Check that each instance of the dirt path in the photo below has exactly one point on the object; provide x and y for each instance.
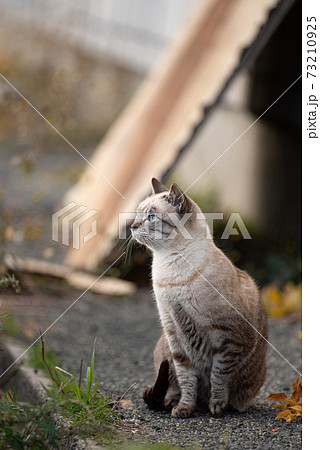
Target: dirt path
(126, 331)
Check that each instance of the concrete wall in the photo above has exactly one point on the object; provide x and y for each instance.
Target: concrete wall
(133, 32)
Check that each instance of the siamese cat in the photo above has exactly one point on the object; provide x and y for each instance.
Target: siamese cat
(213, 345)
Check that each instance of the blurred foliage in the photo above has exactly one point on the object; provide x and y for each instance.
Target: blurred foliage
(207, 200)
(269, 260)
(32, 229)
(11, 326)
(9, 280)
(279, 302)
(58, 81)
(71, 410)
(24, 426)
(35, 359)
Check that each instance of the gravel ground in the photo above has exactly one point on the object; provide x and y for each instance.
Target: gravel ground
(127, 330)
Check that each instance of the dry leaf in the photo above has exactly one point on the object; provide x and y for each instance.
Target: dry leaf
(297, 408)
(297, 390)
(125, 404)
(292, 405)
(277, 397)
(283, 414)
(299, 334)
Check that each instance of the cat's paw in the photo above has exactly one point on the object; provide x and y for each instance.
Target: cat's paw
(182, 411)
(217, 405)
(171, 401)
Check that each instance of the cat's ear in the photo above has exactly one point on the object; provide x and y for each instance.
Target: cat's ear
(158, 186)
(179, 199)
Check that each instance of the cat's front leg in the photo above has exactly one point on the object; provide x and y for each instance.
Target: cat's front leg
(186, 374)
(188, 383)
(223, 368)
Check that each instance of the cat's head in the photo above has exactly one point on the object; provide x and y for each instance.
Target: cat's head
(166, 218)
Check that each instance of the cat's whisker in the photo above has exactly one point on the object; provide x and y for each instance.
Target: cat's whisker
(126, 241)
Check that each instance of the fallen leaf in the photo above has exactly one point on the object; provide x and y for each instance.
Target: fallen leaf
(125, 404)
(297, 390)
(283, 414)
(277, 397)
(299, 334)
(292, 407)
(297, 408)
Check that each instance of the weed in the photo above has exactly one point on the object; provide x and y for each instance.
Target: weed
(24, 426)
(89, 411)
(72, 410)
(35, 359)
(9, 280)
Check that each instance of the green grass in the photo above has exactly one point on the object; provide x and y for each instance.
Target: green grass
(24, 426)
(81, 409)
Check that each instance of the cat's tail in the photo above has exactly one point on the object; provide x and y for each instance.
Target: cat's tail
(154, 396)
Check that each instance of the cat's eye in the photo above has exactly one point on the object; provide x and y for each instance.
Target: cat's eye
(152, 217)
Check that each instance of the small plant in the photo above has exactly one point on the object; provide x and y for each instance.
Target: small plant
(9, 280)
(24, 426)
(291, 407)
(71, 410)
(75, 387)
(88, 411)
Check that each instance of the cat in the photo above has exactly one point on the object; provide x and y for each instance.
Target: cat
(212, 349)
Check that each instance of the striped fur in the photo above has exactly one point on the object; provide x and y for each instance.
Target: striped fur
(212, 349)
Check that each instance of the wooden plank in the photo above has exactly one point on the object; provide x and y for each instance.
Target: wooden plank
(79, 280)
(148, 135)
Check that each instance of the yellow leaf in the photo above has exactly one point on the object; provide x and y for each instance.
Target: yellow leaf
(292, 407)
(289, 419)
(283, 414)
(290, 402)
(279, 405)
(277, 397)
(299, 334)
(297, 408)
(297, 390)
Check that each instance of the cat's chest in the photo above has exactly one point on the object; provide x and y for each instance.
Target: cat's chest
(172, 291)
(173, 280)
(175, 298)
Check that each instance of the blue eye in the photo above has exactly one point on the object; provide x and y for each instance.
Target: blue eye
(151, 217)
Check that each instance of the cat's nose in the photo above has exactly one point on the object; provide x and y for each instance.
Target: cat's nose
(135, 224)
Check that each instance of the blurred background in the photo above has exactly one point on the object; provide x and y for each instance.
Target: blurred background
(80, 63)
